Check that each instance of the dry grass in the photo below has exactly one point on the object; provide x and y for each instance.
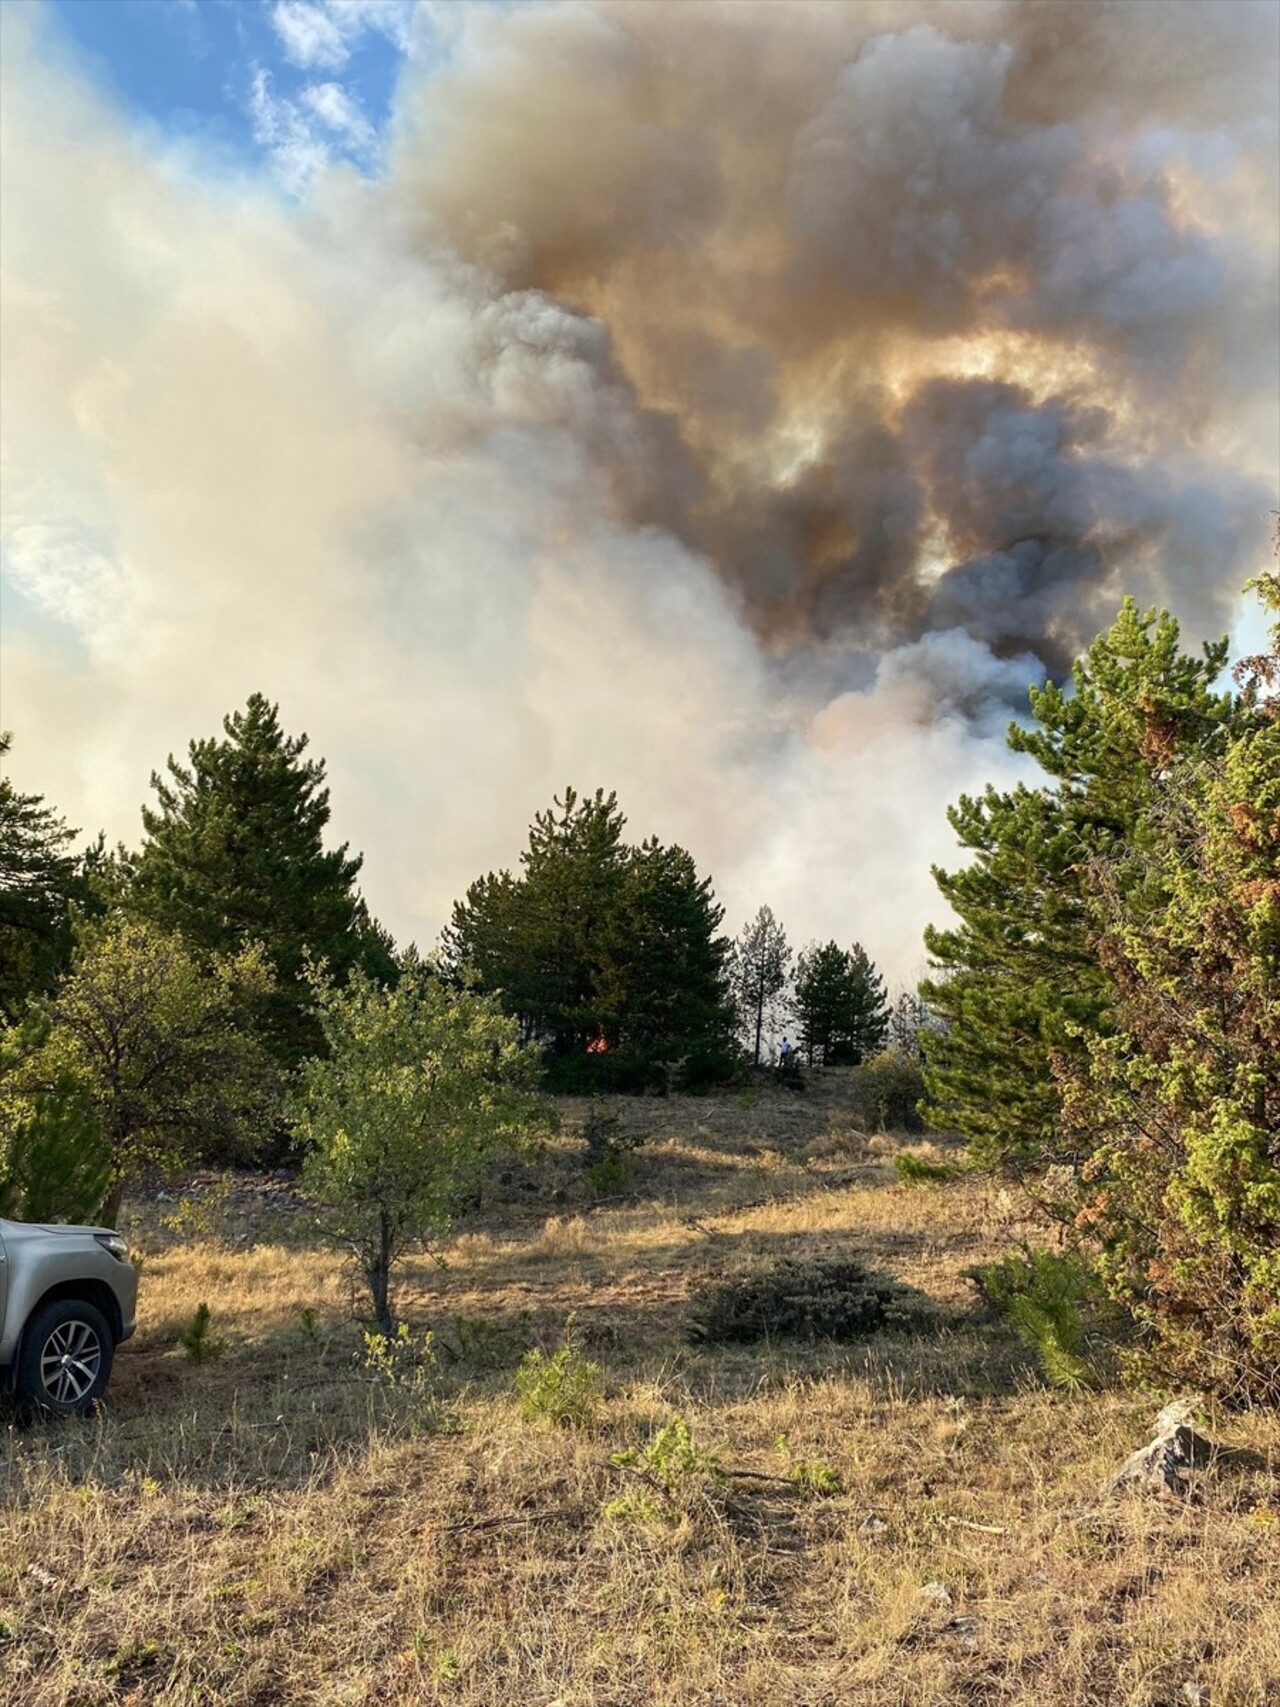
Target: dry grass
(278, 1527)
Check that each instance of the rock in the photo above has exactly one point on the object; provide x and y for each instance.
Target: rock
(939, 1593)
(1178, 1413)
(1159, 1467)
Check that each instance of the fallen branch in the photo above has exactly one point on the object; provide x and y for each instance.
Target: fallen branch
(506, 1518)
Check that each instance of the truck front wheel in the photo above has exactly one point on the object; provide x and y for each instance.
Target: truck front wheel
(65, 1360)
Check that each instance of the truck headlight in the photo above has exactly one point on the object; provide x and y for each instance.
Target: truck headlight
(115, 1244)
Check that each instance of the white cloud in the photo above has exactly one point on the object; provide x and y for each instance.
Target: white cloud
(340, 112)
(310, 35)
(323, 34)
(295, 149)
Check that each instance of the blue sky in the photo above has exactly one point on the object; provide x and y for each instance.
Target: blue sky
(281, 86)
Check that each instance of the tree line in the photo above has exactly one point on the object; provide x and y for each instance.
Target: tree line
(166, 1003)
(1101, 1023)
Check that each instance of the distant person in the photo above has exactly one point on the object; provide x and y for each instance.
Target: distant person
(784, 1052)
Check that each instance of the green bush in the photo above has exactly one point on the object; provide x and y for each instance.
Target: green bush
(608, 1144)
(919, 1170)
(1058, 1306)
(401, 1360)
(54, 1165)
(608, 1177)
(839, 1300)
(888, 1089)
(684, 1475)
(563, 1388)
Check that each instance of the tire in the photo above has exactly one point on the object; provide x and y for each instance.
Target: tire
(66, 1356)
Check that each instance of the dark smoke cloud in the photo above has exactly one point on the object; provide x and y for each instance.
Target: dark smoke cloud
(918, 305)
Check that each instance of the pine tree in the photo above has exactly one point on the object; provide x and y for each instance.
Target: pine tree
(605, 954)
(759, 974)
(39, 883)
(541, 939)
(865, 1023)
(839, 1005)
(909, 1023)
(1178, 1108)
(822, 976)
(234, 854)
(665, 977)
(1021, 983)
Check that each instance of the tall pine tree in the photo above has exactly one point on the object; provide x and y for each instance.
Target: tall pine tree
(759, 973)
(839, 1005)
(606, 954)
(666, 980)
(1022, 982)
(234, 854)
(39, 883)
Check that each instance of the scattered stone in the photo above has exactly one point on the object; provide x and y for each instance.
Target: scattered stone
(1159, 1467)
(965, 1629)
(872, 1525)
(1195, 1695)
(939, 1593)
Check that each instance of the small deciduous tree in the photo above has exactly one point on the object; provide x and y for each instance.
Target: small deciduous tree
(155, 1048)
(759, 973)
(54, 1165)
(1177, 1107)
(421, 1083)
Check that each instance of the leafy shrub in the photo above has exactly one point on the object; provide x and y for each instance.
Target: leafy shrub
(198, 1217)
(839, 1300)
(674, 1467)
(54, 1165)
(1056, 1303)
(812, 1475)
(608, 1177)
(400, 1359)
(888, 1089)
(563, 1388)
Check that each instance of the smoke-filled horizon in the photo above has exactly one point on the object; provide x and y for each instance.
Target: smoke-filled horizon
(733, 405)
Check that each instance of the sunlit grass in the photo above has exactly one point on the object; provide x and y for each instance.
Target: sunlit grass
(279, 1525)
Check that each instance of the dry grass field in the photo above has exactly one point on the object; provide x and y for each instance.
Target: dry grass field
(281, 1524)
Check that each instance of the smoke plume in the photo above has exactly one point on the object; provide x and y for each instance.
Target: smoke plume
(737, 405)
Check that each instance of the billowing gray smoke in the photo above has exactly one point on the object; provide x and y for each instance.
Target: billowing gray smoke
(933, 312)
(734, 405)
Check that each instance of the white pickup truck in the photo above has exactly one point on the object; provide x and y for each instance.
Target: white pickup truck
(67, 1299)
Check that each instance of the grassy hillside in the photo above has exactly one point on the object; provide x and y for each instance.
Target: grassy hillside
(910, 1520)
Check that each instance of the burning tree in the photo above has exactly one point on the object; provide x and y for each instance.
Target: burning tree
(607, 955)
